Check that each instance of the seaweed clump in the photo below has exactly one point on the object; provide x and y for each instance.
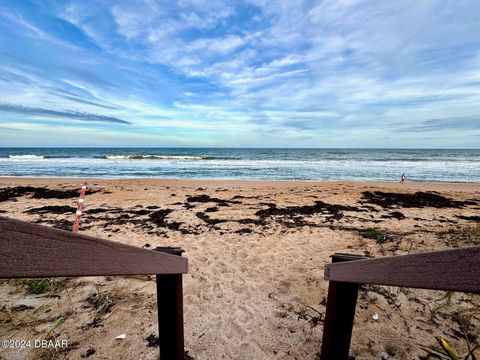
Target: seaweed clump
(11, 193)
(334, 210)
(158, 218)
(419, 199)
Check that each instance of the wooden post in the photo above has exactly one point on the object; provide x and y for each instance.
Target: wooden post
(340, 312)
(170, 312)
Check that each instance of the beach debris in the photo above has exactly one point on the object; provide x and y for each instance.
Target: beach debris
(158, 218)
(121, 216)
(419, 199)
(314, 319)
(152, 207)
(102, 304)
(469, 218)
(394, 215)
(11, 193)
(294, 212)
(121, 337)
(375, 316)
(208, 219)
(14, 192)
(152, 340)
(89, 352)
(51, 209)
(62, 224)
(243, 231)
(21, 307)
(206, 199)
(188, 356)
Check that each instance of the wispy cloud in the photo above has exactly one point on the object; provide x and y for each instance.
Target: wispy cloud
(455, 123)
(66, 114)
(248, 73)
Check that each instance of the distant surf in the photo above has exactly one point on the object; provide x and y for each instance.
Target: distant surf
(31, 156)
(268, 164)
(159, 157)
(27, 156)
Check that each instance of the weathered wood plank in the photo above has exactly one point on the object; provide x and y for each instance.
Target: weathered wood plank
(451, 270)
(31, 250)
(170, 312)
(170, 317)
(339, 315)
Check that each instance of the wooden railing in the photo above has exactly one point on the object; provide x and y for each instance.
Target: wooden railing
(31, 250)
(449, 270)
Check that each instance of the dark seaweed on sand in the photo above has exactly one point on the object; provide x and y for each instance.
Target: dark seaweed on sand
(153, 341)
(208, 219)
(318, 208)
(62, 224)
(394, 215)
(158, 218)
(205, 199)
(417, 200)
(469, 218)
(11, 193)
(52, 209)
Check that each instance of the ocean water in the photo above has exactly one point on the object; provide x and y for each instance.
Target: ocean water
(267, 164)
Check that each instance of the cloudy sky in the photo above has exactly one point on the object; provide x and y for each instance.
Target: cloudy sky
(256, 73)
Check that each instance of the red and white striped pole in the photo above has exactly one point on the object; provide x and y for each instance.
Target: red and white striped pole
(80, 205)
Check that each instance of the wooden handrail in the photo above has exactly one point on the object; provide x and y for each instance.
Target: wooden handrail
(32, 250)
(450, 270)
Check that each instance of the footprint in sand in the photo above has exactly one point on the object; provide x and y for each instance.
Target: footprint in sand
(221, 267)
(284, 287)
(240, 287)
(218, 291)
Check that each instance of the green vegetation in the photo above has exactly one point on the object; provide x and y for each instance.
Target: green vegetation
(376, 234)
(58, 322)
(36, 286)
(42, 285)
(463, 235)
(452, 354)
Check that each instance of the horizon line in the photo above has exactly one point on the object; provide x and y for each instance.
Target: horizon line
(228, 147)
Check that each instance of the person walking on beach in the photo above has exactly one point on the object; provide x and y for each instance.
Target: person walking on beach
(403, 178)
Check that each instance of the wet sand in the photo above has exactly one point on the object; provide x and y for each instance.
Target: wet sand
(256, 249)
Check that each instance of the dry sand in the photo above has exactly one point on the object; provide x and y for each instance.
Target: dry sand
(255, 287)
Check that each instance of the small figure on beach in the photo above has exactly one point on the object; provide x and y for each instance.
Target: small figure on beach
(403, 178)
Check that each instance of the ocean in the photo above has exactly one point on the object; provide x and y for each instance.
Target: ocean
(232, 163)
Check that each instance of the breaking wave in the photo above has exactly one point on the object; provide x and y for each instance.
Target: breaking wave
(29, 156)
(32, 156)
(159, 157)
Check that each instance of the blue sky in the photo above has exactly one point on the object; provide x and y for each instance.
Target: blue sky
(343, 73)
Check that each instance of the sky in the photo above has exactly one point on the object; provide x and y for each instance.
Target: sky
(256, 73)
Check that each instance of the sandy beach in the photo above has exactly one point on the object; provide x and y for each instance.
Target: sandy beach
(256, 251)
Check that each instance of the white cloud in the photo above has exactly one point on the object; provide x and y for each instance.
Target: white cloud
(297, 66)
